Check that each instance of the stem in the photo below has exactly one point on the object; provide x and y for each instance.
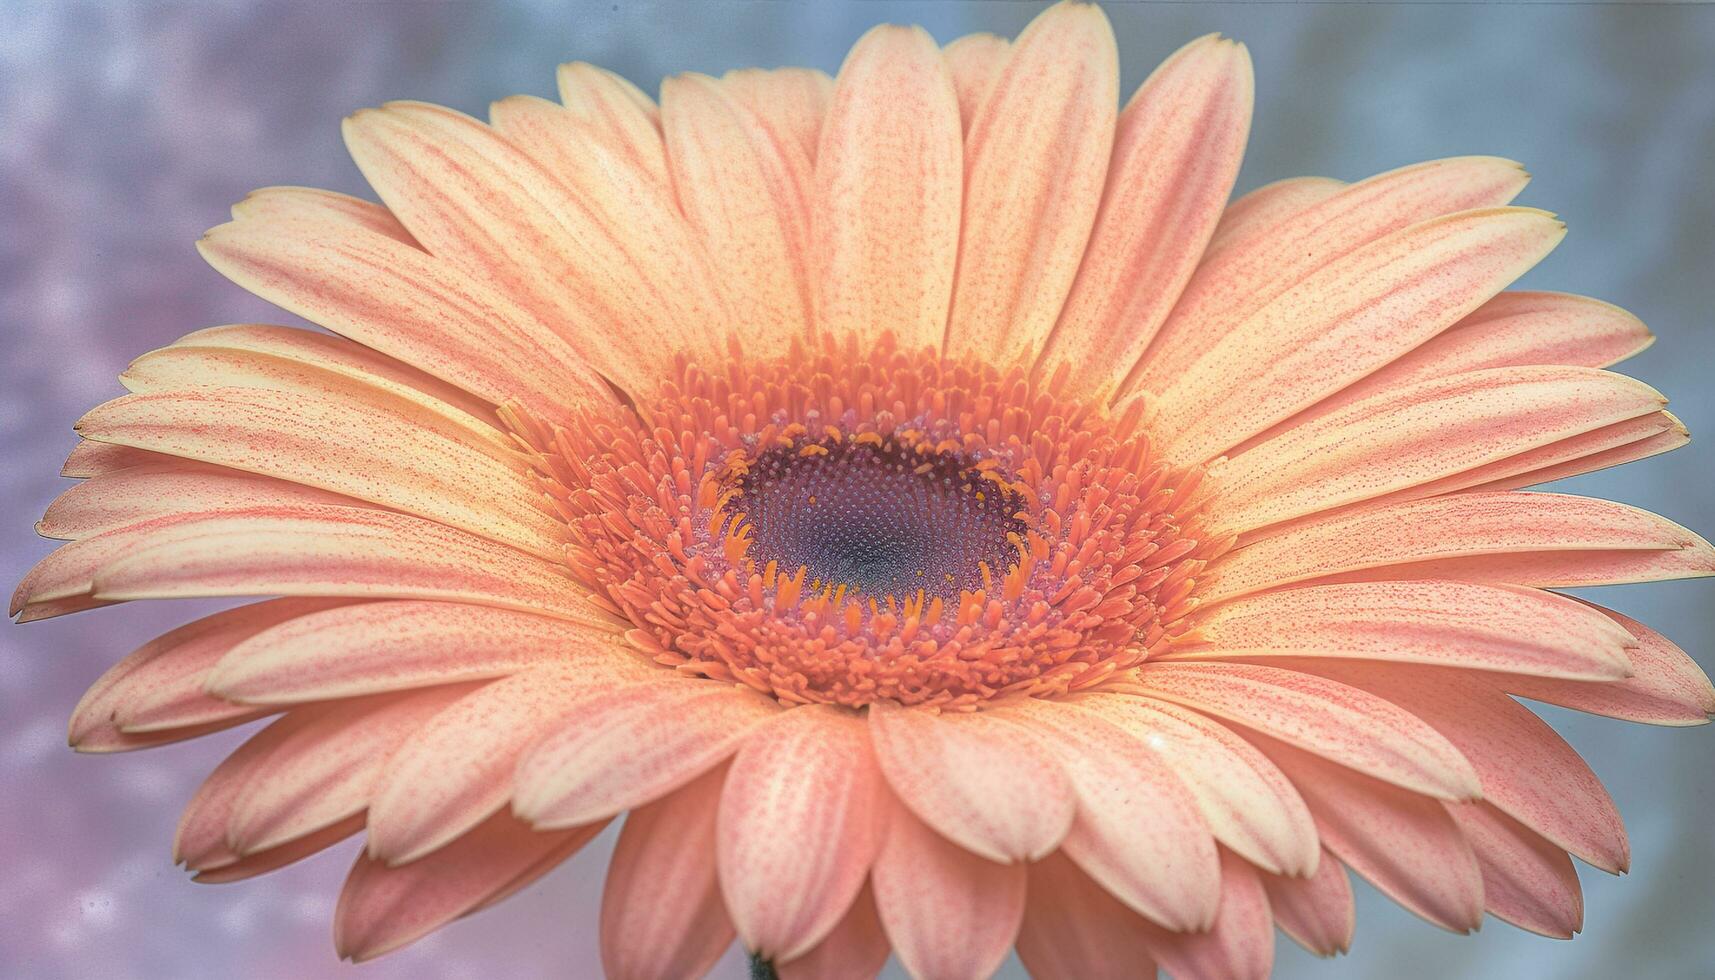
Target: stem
(761, 969)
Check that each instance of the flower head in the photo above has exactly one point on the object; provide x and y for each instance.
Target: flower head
(918, 501)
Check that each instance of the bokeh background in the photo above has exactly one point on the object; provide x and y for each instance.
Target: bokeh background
(127, 128)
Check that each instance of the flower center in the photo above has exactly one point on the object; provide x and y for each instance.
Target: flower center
(847, 526)
(880, 516)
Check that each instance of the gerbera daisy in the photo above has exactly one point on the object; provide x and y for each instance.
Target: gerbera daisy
(918, 501)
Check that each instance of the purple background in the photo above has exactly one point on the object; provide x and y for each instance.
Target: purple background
(126, 129)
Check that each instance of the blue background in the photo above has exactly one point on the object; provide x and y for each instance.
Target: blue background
(126, 129)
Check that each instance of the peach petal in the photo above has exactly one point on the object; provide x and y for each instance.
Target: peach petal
(1667, 687)
(1239, 946)
(1176, 153)
(620, 111)
(324, 770)
(1404, 843)
(373, 647)
(1420, 434)
(948, 913)
(661, 911)
(1073, 930)
(885, 210)
(159, 685)
(982, 785)
(1513, 329)
(456, 771)
(329, 551)
(856, 949)
(1622, 442)
(801, 820)
(275, 858)
(975, 61)
(382, 908)
(88, 459)
(1243, 277)
(620, 748)
(1527, 770)
(1250, 806)
(1172, 873)
(343, 442)
(744, 190)
(247, 355)
(1265, 209)
(136, 494)
(1481, 529)
(312, 205)
(583, 244)
(1447, 624)
(404, 303)
(1315, 912)
(790, 101)
(1344, 321)
(1527, 881)
(1339, 722)
(1036, 157)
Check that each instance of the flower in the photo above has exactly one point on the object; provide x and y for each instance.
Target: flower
(918, 501)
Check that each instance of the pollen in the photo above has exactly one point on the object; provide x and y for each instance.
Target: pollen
(845, 525)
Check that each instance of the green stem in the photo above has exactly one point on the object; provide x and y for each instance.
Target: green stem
(761, 969)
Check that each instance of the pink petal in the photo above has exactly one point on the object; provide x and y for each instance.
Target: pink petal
(1481, 530)
(1246, 275)
(975, 62)
(1171, 874)
(885, 212)
(1176, 153)
(1527, 770)
(457, 769)
(800, 824)
(371, 647)
(1339, 722)
(615, 749)
(1666, 687)
(661, 911)
(856, 949)
(985, 786)
(1249, 804)
(289, 204)
(1447, 624)
(1073, 930)
(1315, 912)
(1238, 946)
(1402, 842)
(1526, 880)
(1420, 434)
(1036, 157)
(382, 908)
(948, 913)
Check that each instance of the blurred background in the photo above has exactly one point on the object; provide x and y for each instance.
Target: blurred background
(127, 128)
